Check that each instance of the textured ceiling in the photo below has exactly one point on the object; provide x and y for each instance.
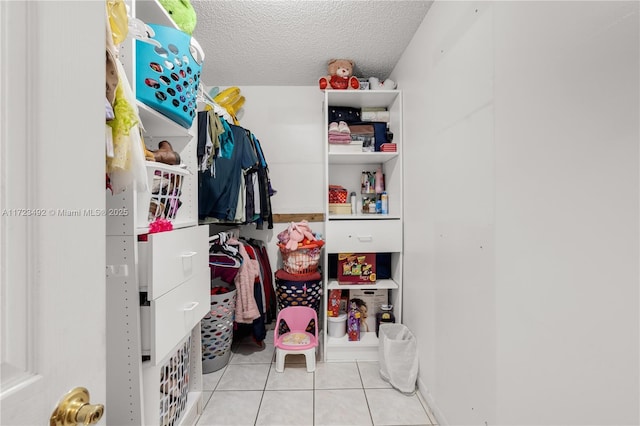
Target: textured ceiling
(288, 43)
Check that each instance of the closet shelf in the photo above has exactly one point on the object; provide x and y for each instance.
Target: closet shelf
(379, 285)
(364, 98)
(158, 125)
(152, 12)
(360, 157)
(365, 349)
(362, 216)
(368, 338)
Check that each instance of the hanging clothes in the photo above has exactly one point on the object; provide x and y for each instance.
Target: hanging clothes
(266, 277)
(218, 195)
(246, 306)
(224, 258)
(233, 179)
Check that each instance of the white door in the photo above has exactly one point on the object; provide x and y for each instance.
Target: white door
(51, 175)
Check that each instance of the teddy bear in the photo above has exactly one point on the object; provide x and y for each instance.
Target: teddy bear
(182, 13)
(340, 76)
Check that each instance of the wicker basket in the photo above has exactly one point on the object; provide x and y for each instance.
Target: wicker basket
(303, 260)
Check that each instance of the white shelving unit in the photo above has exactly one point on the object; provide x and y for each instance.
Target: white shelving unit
(364, 233)
(157, 287)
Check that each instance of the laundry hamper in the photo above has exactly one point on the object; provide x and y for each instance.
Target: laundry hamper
(217, 330)
(168, 73)
(162, 201)
(174, 385)
(299, 290)
(302, 260)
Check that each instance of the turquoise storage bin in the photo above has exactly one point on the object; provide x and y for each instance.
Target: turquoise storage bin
(168, 73)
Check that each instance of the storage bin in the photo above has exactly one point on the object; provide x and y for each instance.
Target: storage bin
(337, 326)
(165, 188)
(168, 73)
(337, 194)
(398, 357)
(174, 385)
(299, 290)
(293, 290)
(217, 331)
(340, 208)
(303, 260)
(374, 299)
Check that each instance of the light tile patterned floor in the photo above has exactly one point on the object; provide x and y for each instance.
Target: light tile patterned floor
(248, 391)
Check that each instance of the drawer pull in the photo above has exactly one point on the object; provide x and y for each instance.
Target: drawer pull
(187, 261)
(191, 306)
(365, 238)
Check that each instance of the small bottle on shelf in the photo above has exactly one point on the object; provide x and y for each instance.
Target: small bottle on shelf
(384, 201)
(384, 316)
(379, 185)
(353, 202)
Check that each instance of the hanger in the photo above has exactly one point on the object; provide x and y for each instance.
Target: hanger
(219, 243)
(204, 98)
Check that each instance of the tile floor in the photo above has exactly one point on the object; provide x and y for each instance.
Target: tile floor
(248, 391)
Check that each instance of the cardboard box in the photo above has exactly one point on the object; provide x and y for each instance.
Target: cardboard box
(373, 299)
(356, 268)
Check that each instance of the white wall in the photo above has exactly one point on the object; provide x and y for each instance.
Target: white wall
(288, 121)
(521, 267)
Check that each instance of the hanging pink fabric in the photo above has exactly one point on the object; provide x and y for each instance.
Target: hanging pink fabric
(246, 306)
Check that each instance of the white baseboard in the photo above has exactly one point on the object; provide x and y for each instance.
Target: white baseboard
(434, 413)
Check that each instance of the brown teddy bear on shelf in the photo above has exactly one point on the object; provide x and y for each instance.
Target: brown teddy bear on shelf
(340, 76)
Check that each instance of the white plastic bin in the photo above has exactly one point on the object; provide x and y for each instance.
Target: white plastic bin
(398, 357)
(337, 326)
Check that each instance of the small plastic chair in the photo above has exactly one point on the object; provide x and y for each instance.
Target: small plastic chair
(297, 340)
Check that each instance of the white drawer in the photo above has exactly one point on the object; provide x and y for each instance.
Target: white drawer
(168, 259)
(364, 236)
(168, 319)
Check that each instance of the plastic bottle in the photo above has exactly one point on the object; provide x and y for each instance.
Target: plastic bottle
(379, 186)
(384, 316)
(384, 208)
(353, 202)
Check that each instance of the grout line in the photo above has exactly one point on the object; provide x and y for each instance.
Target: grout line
(365, 393)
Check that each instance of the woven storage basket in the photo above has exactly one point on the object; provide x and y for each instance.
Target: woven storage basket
(303, 260)
(168, 73)
(337, 194)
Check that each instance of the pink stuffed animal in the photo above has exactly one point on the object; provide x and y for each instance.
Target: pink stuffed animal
(295, 233)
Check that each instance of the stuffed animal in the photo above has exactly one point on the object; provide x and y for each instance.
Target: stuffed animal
(182, 13)
(340, 76)
(296, 234)
(376, 84)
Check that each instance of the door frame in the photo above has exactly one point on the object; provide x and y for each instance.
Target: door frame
(52, 146)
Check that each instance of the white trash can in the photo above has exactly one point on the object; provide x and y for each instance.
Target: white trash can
(398, 357)
(337, 326)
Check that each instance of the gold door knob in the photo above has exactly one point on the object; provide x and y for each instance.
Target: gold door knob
(74, 409)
